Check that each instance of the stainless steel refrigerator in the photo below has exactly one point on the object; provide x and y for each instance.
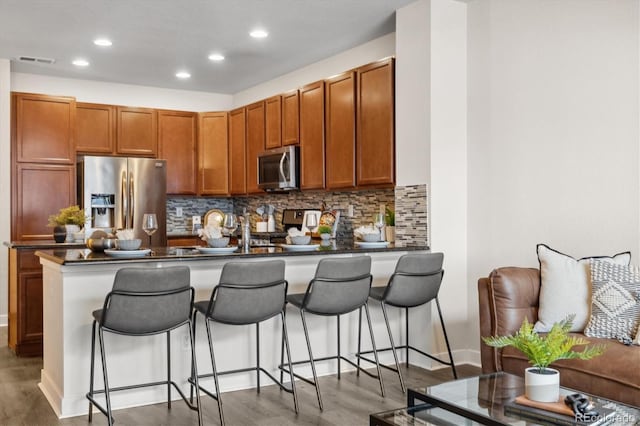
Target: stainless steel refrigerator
(116, 192)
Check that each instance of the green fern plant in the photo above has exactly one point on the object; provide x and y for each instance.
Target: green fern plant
(542, 350)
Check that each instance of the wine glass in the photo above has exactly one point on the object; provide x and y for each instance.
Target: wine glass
(230, 223)
(149, 225)
(378, 222)
(311, 222)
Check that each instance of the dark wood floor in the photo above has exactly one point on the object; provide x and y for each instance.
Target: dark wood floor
(348, 401)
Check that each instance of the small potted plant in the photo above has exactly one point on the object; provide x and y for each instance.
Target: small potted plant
(325, 232)
(390, 222)
(541, 382)
(71, 218)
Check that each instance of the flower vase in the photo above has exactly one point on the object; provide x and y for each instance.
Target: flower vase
(71, 229)
(59, 234)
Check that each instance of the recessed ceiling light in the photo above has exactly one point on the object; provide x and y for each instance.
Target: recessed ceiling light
(183, 74)
(104, 42)
(80, 62)
(258, 34)
(216, 57)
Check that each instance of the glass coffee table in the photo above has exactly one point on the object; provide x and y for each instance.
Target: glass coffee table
(479, 400)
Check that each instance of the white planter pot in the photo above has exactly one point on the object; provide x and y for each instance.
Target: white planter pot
(71, 229)
(542, 387)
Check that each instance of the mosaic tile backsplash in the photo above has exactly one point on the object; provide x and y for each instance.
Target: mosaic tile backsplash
(409, 203)
(411, 215)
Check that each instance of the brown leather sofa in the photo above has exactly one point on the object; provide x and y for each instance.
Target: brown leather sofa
(507, 296)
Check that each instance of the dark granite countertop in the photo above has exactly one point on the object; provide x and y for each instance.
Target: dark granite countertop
(83, 256)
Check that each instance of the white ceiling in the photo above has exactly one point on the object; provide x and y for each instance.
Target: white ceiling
(154, 39)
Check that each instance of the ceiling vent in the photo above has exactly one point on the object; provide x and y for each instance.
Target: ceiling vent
(36, 60)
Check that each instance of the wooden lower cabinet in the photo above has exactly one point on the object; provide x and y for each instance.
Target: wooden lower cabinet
(25, 302)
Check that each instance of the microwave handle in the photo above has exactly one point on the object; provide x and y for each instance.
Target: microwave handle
(284, 157)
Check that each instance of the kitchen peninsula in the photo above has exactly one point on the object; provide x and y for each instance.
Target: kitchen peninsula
(76, 281)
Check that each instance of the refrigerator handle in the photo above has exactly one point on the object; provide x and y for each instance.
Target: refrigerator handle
(131, 204)
(124, 206)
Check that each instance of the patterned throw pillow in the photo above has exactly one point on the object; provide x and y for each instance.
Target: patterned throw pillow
(615, 301)
(566, 287)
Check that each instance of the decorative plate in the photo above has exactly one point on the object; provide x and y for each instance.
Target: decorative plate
(372, 244)
(300, 247)
(127, 253)
(213, 215)
(217, 250)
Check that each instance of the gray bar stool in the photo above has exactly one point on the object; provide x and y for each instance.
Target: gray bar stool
(143, 302)
(415, 282)
(340, 286)
(248, 293)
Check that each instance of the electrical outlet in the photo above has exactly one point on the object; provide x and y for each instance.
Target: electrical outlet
(186, 342)
(196, 220)
(178, 211)
(350, 210)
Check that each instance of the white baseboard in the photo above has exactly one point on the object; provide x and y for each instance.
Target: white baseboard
(4, 320)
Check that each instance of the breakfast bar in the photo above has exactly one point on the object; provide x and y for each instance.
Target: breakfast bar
(76, 281)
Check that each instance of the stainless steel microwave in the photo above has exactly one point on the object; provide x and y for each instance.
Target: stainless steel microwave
(279, 169)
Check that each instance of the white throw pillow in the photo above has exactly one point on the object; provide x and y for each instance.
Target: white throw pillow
(565, 287)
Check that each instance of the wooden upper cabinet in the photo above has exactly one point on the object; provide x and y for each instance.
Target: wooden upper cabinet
(291, 118)
(39, 191)
(237, 152)
(137, 131)
(255, 144)
(340, 139)
(95, 128)
(273, 122)
(43, 128)
(312, 136)
(376, 131)
(213, 169)
(177, 139)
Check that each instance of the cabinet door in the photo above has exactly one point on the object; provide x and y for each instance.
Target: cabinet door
(255, 144)
(273, 122)
(95, 128)
(177, 140)
(376, 132)
(33, 201)
(137, 131)
(340, 139)
(43, 129)
(213, 154)
(312, 136)
(25, 303)
(237, 152)
(290, 118)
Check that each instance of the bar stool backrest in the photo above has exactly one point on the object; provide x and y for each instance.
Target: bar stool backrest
(340, 285)
(416, 280)
(148, 300)
(249, 292)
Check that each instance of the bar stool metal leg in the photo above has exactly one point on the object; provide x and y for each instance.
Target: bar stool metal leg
(104, 375)
(406, 327)
(169, 370)
(359, 340)
(446, 339)
(285, 340)
(313, 365)
(393, 347)
(215, 373)
(258, 355)
(194, 370)
(373, 345)
(93, 356)
(338, 334)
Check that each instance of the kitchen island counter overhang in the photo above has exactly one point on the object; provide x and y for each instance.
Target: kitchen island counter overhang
(75, 283)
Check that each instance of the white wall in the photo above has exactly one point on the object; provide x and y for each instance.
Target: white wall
(121, 94)
(5, 183)
(448, 168)
(553, 131)
(374, 50)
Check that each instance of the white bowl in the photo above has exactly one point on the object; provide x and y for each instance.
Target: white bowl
(218, 242)
(301, 239)
(369, 237)
(129, 244)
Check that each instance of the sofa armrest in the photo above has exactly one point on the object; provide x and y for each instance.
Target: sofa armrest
(505, 298)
